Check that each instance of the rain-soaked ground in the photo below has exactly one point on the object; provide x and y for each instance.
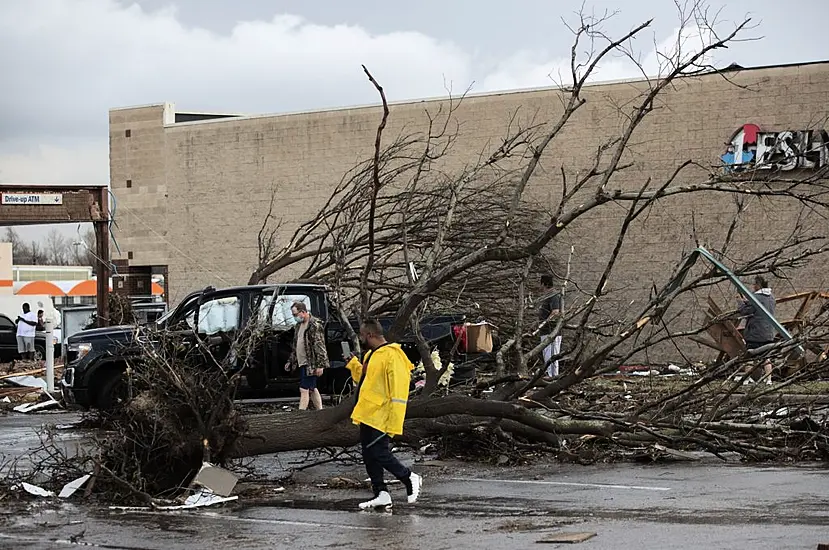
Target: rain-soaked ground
(696, 505)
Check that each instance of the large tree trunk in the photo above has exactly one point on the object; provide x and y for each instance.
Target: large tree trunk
(332, 428)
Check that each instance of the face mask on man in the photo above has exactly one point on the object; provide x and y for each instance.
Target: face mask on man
(298, 318)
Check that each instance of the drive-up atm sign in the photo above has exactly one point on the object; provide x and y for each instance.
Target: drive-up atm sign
(42, 199)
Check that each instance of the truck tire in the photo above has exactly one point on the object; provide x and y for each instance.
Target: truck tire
(112, 390)
(40, 353)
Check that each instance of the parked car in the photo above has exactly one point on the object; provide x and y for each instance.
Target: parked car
(96, 359)
(8, 341)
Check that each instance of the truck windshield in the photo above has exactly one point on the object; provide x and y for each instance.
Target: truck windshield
(282, 318)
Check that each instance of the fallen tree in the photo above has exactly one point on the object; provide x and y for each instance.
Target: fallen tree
(394, 238)
(401, 235)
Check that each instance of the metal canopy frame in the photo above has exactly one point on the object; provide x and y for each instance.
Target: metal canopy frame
(98, 216)
(701, 252)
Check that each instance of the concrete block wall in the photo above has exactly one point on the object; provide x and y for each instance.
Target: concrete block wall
(200, 190)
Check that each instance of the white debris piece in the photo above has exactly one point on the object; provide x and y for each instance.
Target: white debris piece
(36, 491)
(70, 488)
(217, 480)
(32, 407)
(27, 381)
(199, 499)
(204, 497)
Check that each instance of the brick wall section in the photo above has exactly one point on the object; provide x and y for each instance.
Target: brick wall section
(200, 190)
(140, 210)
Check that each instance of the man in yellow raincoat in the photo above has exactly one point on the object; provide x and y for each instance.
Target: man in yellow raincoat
(383, 380)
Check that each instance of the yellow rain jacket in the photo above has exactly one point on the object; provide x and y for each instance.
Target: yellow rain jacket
(384, 391)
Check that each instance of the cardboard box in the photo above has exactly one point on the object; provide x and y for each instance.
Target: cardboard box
(479, 338)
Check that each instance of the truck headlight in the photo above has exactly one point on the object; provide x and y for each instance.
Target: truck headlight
(83, 348)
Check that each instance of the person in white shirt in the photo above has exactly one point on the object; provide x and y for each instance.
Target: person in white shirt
(26, 325)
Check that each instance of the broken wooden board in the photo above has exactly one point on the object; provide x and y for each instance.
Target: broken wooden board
(566, 537)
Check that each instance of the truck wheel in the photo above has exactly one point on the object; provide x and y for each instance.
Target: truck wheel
(112, 392)
(40, 353)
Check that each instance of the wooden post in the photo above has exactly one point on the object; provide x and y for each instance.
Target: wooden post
(103, 264)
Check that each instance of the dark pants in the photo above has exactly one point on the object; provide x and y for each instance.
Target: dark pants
(378, 457)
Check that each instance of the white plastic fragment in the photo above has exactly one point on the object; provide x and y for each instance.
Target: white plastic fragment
(32, 407)
(36, 491)
(27, 381)
(205, 498)
(70, 488)
(200, 499)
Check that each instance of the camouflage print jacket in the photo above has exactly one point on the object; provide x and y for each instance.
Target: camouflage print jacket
(314, 347)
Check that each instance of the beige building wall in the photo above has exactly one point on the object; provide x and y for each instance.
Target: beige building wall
(192, 195)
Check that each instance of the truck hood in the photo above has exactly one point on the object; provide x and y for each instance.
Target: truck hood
(120, 333)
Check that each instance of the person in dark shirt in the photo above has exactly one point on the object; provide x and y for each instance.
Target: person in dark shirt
(759, 330)
(549, 308)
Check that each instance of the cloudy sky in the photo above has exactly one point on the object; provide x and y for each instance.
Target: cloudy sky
(66, 62)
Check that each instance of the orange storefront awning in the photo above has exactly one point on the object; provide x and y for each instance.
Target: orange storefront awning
(40, 288)
(85, 288)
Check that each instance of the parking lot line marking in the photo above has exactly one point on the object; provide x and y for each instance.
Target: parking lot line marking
(562, 483)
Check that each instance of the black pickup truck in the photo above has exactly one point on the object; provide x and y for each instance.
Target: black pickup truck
(96, 359)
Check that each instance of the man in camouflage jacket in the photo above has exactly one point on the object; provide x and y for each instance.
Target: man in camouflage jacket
(309, 355)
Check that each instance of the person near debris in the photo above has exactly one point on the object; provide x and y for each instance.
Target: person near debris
(309, 355)
(759, 330)
(383, 379)
(550, 308)
(26, 325)
(41, 326)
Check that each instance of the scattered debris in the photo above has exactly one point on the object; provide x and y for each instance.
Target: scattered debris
(657, 452)
(388, 482)
(199, 499)
(27, 381)
(205, 497)
(342, 483)
(36, 491)
(518, 525)
(215, 479)
(39, 406)
(566, 537)
(68, 426)
(70, 488)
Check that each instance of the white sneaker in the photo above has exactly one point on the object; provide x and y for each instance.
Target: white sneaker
(417, 483)
(381, 500)
(748, 381)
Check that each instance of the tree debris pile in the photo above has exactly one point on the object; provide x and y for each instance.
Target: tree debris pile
(177, 413)
(120, 312)
(786, 421)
